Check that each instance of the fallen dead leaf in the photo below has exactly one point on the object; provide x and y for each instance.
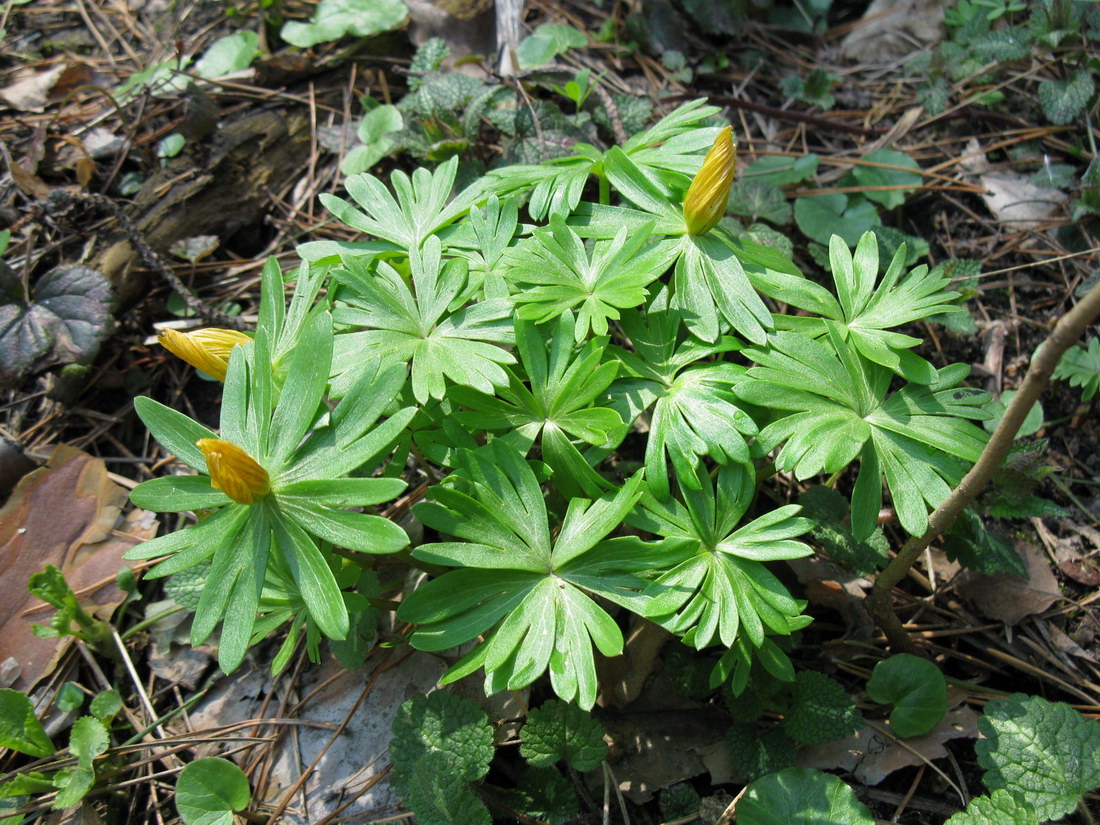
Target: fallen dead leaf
(63, 514)
(1007, 598)
(31, 90)
(873, 756)
(892, 29)
(1014, 200)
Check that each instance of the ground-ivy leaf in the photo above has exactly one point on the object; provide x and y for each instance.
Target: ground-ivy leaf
(1046, 752)
(1063, 101)
(755, 754)
(561, 731)
(822, 711)
(443, 723)
(66, 318)
(999, 808)
(333, 19)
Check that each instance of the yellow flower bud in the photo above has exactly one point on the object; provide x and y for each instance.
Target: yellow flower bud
(204, 349)
(706, 198)
(233, 471)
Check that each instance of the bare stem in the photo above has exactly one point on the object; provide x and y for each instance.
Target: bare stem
(1069, 328)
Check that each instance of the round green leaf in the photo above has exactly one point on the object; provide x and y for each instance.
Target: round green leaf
(916, 689)
(801, 796)
(20, 729)
(210, 790)
(877, 176)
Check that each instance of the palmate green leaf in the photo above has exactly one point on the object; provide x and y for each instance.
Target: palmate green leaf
(419, 209)
(721, 589)
(839, 410)
(675, 144)
(1046, 753)
(868, 312)
(694, 413)
(552, 273)
(308, 496)
(398, 324)
(559, 405)
(532, 599)
(714, 293)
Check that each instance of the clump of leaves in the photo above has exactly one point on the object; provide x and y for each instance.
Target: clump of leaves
(1039, 758)
(441, 744)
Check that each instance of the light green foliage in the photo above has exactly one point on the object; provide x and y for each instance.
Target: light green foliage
(70, 619)
(558, 731)
(554, 273)
(69, 698)
(800, 796)
(399, 324)
(333, 19)
(441, 743)
(20, 729)
(547, 42)
(87, 740)
(528, 593)
(720, 590)
(999, 808)
(521, 347)
(559, 405)
(694, 411)
(756, 753)
(106, 705)
(1046, 753)
(916, 689)
(375, 141)
(232, 53)
(208, 792)
(278, 533)
(828, 510)
(821, 710)
(1033, 422)
(1081, 368)
(185, 587)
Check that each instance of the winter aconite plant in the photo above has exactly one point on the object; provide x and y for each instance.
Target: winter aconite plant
(594, 398)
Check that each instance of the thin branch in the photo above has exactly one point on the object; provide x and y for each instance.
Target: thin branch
(1069, 328)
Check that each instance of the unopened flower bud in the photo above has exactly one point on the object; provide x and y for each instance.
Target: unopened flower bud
(706, 198)
(233, 471)
(204, 349)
